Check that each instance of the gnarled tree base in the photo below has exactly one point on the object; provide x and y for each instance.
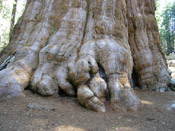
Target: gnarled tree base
(87, 49)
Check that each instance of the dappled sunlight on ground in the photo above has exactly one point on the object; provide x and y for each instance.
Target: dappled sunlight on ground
(126, 129)
(146, 102)
(68, 128)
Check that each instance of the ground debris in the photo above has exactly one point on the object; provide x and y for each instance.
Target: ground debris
(171, 107)
(37, 106)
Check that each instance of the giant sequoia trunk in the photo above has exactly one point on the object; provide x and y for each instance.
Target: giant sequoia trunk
(96, 50)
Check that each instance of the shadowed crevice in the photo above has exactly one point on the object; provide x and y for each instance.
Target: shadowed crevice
(134, 79)
(103, 76)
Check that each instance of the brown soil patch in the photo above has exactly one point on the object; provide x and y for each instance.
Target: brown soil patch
(68, 115)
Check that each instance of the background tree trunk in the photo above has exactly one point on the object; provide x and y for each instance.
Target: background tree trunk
(13, 17)
(1, 3)
(86, 48)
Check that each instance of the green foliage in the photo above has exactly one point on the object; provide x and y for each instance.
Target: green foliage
(165, 15)
(6, 7)
(0, 5)
(4, 24)
(167, 31)
(158, 12)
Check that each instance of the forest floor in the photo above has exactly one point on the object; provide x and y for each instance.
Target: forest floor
(37, 113)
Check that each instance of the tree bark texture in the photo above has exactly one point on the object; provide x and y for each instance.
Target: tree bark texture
(93, 49)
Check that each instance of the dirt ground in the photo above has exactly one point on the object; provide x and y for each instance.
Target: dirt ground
(65, 114)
